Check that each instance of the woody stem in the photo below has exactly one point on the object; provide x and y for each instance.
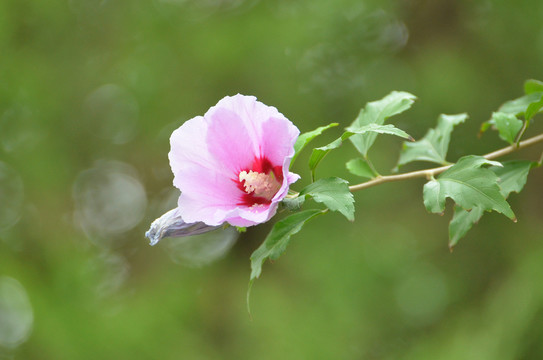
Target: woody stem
(429, 173)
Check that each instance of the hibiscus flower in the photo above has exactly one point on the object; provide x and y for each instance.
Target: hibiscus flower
(232, 164)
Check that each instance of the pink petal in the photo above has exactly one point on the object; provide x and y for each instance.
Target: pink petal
(208, 153)
(229, 140)
(279, 139)
(196, 172)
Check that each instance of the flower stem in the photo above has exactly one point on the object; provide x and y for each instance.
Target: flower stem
(372, 168)
(428, 173)
(521, 132)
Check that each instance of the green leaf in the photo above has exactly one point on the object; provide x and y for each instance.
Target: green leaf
(319, 153)
(461, 222)
(334, 193)
(512, 175)
(469, 185)
(533, 109)
(511, 178)
(377, 112)
(508, 126)
(434, 145)
(305, 138)
(360, 167)
(380, 129)
(526, 106)
(519, 106)
(532, 85)
(431, 193)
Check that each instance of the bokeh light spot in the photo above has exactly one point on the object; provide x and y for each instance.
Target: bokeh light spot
(111, 113)
(200, 250)
(109, 200)
(16, 314)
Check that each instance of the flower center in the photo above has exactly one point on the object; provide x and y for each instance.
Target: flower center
(259, 184)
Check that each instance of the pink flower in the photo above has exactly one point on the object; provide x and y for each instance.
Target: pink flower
(231, 165)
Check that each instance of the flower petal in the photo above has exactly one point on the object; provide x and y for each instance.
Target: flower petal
(278, 146)
(203, 182)
(208, 153)
(229, 140)
(249, 216)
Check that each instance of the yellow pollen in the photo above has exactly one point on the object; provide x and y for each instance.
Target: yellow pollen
(261, 185)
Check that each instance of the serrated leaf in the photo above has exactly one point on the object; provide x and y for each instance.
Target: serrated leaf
(526, 106)
(508, 126)
(519, 106)
(360, 167)
(277, 240)
(512, 178)
(512, 175)
(377, 112)
(434, 145)
(380, 129)
(469, 185)
(533, 109)
(433, 200)
(305, 138)
(319, 153)
(532, 85)
(461, 222)
(334, 193)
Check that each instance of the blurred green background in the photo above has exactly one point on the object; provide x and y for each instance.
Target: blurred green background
(90, 91)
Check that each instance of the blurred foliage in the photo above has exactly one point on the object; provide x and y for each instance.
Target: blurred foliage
(89, 94)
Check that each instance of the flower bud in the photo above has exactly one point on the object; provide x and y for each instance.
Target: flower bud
(172, 225)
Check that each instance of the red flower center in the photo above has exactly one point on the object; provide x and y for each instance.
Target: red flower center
(260, 182)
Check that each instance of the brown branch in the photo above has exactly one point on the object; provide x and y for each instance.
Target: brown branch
(429, 173)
